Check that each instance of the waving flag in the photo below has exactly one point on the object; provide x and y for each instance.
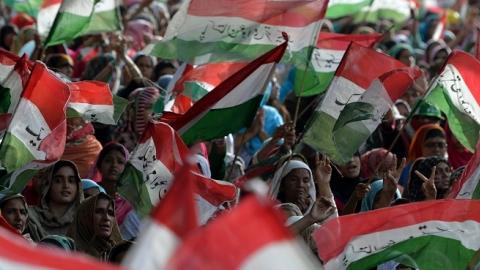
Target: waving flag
(353, 77)
(169, 223)
(19, 254)
(456, 94)
(205, 31)
(149, 172)
(46, 16)
(81, 17)
(14, 74)
(37, 130)
(428, 235)
(94, 102)
(250, 236)
(468, 185)
(325, 60)
(233, 104)
(341, 8)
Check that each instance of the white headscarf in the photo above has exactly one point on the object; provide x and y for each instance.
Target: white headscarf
(285, 169)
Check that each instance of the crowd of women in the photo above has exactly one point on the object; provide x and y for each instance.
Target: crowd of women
(74, 204)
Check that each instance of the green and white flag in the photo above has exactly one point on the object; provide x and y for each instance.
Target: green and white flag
(456, 93)
(325, 60)
(29, 7)
(354, 76)
(82, 17)
(397, 11)
(341, 8)
(431, 235)
(204, 31)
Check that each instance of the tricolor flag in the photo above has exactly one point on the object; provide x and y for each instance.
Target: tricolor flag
(325, 59)
(169, 223)
(354, 76)
(233, 104)
(250, 236)
(456, 93)
(205, 31)
(14, 74)
(94, 102)
(195, 82)
(149, 172)
(467, 186)
(82, 17)
(37, 130)
(429, 235)
(341, 8)
(46, 16)
(20, 254)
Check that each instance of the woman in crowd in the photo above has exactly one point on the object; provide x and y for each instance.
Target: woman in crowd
(94, 228)
(110, 165)
(61, 193)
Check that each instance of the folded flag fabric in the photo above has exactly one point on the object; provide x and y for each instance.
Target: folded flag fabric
(159, 153)
(456, 93)
(442, 234)
(205, 31)
(20, 254)
(93, 101)
(46, 16)
(359, 119)
(250, 236)
(325, 59)
(82, 17)
(467, 186)
(232, 105)
(354, 77)
(14, 74)
(169, 223)
(37, 130)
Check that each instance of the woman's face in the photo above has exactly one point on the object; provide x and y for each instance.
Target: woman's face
(435, 146)
(442, 176)
(103, 218)
(112, 165)
(145, 65)
(351, 169)
(295, 187)
(64, 187)
(15, 213)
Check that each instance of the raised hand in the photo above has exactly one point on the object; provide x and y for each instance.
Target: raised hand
(321, 210)
(323, 170)
(428, 186)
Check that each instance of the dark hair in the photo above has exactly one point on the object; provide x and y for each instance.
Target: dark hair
(109, 148)
(134, 84)
(433, 133)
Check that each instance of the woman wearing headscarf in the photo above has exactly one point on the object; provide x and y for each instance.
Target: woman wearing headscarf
(376, 160)
(94, 228)
(416, 190)
(82, 147)
(61, 193)
(91, 188)
(373, 198)
(348, 187)
(110, 165)
(429, 140)
(7, 36)
(138, 115)
(14, 209)
(404, 53)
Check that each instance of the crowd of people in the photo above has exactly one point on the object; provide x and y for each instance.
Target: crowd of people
(74, 204)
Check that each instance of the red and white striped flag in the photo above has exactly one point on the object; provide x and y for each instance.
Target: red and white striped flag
(250, 236)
